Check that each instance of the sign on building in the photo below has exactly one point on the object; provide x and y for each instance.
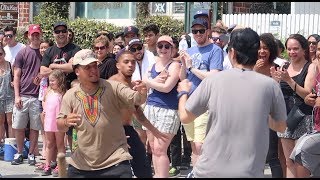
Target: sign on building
(159, 7)
(8, 14)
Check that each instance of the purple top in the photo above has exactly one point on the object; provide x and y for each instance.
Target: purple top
(29, 61)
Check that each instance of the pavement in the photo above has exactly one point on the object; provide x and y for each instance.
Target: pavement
(26, 171)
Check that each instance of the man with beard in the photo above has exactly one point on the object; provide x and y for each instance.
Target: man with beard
(199, 62)
(94, 109)
(126, 64)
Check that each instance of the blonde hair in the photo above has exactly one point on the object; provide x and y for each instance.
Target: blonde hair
(61, 78)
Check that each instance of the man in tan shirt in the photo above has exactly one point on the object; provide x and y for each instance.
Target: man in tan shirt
(93, 108)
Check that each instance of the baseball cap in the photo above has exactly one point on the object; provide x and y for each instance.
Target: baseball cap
(84, 57)
(130, 29)
(165, 38)
(34, 28)
(134, 41)
(201, 13)
(201, 22)
(60, 23)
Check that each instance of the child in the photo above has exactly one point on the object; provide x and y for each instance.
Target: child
(51, 108)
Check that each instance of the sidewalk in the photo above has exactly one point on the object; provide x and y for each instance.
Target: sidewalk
(26, 171)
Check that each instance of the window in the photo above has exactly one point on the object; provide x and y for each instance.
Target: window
(105, 10)
(178, 7)
(36, 8)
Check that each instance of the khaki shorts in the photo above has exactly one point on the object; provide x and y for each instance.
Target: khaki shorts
(30, 111)
(196, 130)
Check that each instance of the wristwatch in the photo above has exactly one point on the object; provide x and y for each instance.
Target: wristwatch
(182, 93)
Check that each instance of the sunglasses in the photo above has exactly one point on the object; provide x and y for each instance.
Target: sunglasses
(100, 48)
(135, 49)
(215, 39)
(195, 31)
(8, 35)
(59, 31)
(312, 42)
(160, 46)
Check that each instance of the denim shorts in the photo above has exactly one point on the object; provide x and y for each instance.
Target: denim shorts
(6, 106)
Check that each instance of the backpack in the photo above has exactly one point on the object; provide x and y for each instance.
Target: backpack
(188, 39)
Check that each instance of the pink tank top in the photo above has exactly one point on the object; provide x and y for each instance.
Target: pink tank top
(316, 120)
(52, 108)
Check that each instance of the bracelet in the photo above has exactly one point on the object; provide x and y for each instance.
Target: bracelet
(182, 93)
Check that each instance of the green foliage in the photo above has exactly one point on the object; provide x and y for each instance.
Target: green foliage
(85, 30)
(167, 25)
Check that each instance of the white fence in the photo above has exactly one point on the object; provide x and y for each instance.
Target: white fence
(281, 25)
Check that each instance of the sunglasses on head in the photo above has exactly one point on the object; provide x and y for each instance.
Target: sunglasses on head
(132, 49)
(60, 31)
(312, 42)
(195, 31)
(99, 48)
(160, 46)
(8, 35)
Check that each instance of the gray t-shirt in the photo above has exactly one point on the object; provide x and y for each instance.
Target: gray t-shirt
(237, 138)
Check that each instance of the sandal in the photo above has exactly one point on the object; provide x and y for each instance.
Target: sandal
(40, 166)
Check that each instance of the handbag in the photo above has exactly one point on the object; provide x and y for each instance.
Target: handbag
(295, 116)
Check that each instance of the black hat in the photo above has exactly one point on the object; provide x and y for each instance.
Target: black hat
(60, 23)
(135, 41)
(130, 29)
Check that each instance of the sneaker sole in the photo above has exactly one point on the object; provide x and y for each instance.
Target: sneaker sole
(173, 176)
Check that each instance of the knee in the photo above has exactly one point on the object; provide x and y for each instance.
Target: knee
(159, 151)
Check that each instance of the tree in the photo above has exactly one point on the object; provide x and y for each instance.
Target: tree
(143, 12)
(50, 13)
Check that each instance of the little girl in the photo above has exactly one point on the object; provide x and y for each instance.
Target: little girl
(51, 108)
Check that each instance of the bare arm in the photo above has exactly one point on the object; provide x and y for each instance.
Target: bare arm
(185, 116)
(45, 71)
(16, 86)
(203, 74)
(67, 68)
(171, 81)
(278, 126)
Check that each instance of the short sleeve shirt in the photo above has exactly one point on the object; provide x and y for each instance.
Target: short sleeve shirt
(101, 139)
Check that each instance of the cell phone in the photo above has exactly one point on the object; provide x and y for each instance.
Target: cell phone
(285, 65)
(314, 91)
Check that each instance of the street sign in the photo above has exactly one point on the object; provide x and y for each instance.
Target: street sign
(275, 28)
(159, 7)
(8, 14)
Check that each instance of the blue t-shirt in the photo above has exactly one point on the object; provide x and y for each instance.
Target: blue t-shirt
(204, 58)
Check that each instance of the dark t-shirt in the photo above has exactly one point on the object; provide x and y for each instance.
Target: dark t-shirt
(108, 67)
(61, 56)
(29, 61)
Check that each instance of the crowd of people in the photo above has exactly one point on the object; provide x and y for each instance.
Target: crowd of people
(149, 105)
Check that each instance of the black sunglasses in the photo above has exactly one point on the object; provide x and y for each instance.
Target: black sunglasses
(312, 42)
(132, 49)
(8, 35)
(195, 31)
(59, 31)
(216, 39)
(160, 46)
(99, 48)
